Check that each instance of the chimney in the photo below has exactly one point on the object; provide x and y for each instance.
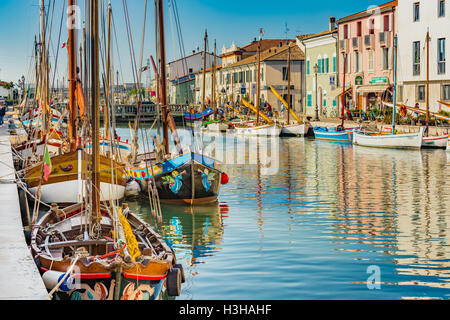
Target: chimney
(332, 22)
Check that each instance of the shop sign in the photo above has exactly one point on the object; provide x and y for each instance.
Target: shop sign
(380, 80)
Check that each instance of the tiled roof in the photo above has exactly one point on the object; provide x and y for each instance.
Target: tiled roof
(273, 54)
(314, 35)
(386, 5)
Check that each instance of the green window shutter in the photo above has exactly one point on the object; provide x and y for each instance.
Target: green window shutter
(307, 67)
(334, 64)
(309, 100)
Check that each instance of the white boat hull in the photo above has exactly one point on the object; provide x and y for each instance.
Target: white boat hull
(435, 142)
(397, 141)
(271, 130)
(216, 127)
(73, 192)
(295, 130)
(39, 151)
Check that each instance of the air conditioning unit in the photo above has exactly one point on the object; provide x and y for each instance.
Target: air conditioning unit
(343, 45)
(369, 41)
(384, 39)
(356, 43)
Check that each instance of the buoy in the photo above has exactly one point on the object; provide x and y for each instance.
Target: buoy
(224, 179)
(132, 188)
(52, 278)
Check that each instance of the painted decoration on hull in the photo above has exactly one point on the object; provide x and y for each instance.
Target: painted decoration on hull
(207, 178)
(175, 180)
(95, 290)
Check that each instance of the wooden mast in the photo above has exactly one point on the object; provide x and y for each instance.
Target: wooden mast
(162, 84)
(44, 71)
(289, 83)
(72, 79)
(258, 89)
(108, 76)
(204, 72)
(343, 91)
(428, 83)
(95, 114)
(213, 89)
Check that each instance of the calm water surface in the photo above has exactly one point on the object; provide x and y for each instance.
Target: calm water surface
(330, 217)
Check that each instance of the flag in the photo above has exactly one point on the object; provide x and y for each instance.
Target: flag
(65, 44)
(47, 164)
(144, 68)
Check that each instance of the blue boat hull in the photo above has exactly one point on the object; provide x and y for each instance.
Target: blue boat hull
(331, 134)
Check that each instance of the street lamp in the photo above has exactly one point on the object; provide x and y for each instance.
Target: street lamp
(316, 69)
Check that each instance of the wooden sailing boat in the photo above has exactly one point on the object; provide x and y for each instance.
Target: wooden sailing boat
(187, 176)
(38, 121)
(338, 133)
(258, 129)
(434, 142)
(94, 252)
(290, 129)
(64, 185)
(393, 140)
(214, 125)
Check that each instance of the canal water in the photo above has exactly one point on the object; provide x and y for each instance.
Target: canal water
(327, 221)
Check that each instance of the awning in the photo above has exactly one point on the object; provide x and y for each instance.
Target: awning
(338, 92)
(372, 88)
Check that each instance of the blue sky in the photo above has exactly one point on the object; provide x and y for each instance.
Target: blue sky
(226, 21)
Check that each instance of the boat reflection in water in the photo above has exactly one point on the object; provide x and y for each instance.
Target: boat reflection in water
(194, 233)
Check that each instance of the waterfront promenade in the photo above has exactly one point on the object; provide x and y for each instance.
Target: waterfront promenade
(19, 277)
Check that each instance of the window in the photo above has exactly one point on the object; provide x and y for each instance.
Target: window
(416, 11)
(359, 29)
(357, 66)
(400, 94)
(420, 93)
(309, 100)
(307, 66)
(334, 102)
(441, 8)
(285, 74)
(327, 65)
(386, 23)
(324, 98)
(334, 63)
(346, 36)
(385, 58)
(441, 56)
(446, 92)
(371, 61)
(319, 63)
(190, 70)
(416, 58)
(372, 26)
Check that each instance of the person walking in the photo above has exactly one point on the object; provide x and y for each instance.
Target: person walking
(2, 114)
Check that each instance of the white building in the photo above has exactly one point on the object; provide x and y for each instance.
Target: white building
(415, 18)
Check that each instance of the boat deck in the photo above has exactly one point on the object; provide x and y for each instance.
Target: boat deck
(19, 277)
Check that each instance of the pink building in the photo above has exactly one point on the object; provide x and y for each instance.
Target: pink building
(366, 39)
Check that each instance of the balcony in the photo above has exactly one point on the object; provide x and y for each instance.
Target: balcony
(343, 45)
(356, 43)
(385, 39)
(369, 41)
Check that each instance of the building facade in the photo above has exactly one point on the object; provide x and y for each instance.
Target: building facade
(239, 80)
(320, 54)
(365, 55)
(415, 19)
(181, 76)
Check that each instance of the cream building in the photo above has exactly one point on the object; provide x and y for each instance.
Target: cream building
(415, 18)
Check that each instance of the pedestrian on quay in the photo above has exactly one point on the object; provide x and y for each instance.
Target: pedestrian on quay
(2, 114)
